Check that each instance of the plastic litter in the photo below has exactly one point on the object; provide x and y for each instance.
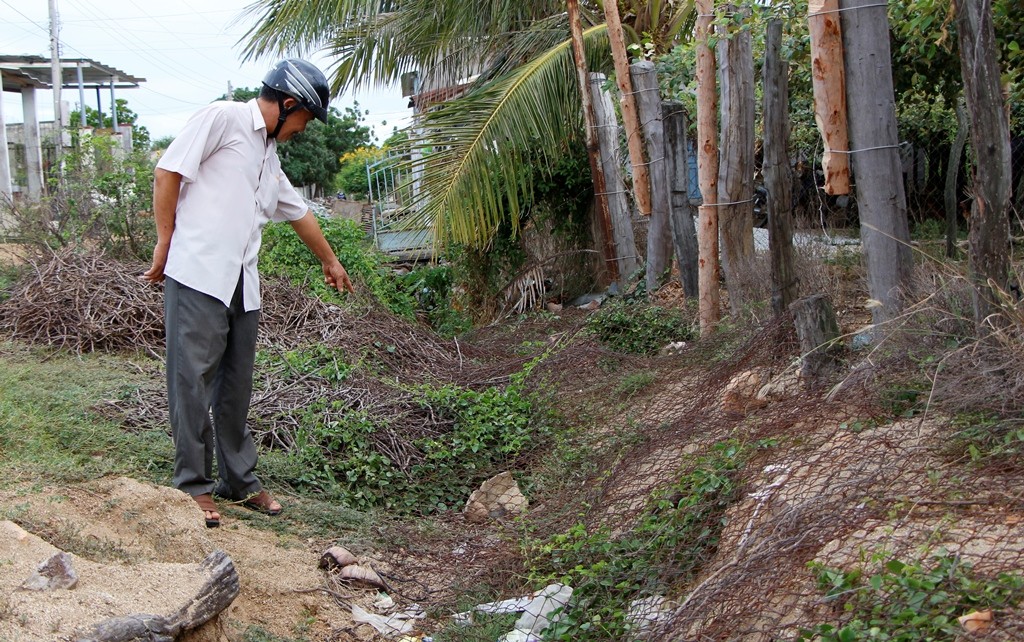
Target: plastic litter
(538, 612)
(391, 625)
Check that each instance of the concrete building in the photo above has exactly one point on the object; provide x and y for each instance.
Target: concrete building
(24, 167)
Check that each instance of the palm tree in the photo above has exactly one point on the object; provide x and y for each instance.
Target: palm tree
(523, 101)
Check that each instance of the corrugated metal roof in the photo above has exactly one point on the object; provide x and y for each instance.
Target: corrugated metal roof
(36, 71)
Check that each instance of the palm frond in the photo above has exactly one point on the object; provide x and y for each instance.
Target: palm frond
(300, 26)
(474, 149)
(374, 43)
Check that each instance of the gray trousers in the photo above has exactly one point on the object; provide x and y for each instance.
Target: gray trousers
(210, 353)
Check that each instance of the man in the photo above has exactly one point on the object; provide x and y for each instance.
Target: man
(216, 186)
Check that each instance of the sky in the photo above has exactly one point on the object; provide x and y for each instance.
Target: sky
(185, 49)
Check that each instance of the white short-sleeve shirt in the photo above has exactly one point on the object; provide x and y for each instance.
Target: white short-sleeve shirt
(232, 185)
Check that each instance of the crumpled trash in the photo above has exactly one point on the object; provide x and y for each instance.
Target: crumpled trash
(390, 625)
(646, 614)
(537, 612)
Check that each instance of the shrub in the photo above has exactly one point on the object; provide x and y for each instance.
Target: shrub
(907, 602)
(342, 457)
(678, 531)
(431, 287)
(102, 203)
(284, 254)
(639, 327)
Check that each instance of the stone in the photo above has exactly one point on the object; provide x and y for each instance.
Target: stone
(55, 573)
(740, 394)
(497, 497)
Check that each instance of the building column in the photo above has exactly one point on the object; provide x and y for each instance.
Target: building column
(6, 193)
(113, 105)
(33, 144)
(81, 97)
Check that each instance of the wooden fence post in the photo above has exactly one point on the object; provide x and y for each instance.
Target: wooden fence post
(710, 301)
(659, 238)
(607, 127)
(778, 177)
(677, 168)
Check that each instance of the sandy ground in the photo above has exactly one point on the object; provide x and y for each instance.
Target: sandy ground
(136, 549)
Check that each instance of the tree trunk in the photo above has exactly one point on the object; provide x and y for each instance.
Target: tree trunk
(956, 153)
(618, 205)
(707, 171)
(659, 237)
(828, 81)
(634, 137)
(593, 153)
(778, 177)
(882, 203)
(736, 164)
(990, 139)
(216, 594)
(677, 167)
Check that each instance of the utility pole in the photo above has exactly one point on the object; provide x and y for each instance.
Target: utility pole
(57, 80)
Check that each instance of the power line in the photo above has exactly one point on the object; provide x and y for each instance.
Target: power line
(137, 47)
(45, 30)
(168, 31)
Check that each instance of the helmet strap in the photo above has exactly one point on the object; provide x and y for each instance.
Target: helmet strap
(283, 114)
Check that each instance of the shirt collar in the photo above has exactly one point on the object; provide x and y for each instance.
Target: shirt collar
(257, 117)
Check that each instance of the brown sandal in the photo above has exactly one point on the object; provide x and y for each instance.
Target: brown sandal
(262, 502)
(209, 508)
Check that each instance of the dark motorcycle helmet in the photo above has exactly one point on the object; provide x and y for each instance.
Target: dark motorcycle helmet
(302, 81)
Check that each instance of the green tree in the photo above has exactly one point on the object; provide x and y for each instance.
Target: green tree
(125, 116)
(523, 105)
(313, 157)
(162, 143)
(351, 177)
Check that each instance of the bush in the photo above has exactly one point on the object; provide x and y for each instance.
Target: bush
(284, 254)
(102, 203)
(431, 287)
(678, 531)
(907, 602)
(638, 327)
(341, 457)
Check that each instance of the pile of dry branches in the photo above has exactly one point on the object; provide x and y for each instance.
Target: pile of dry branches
(85, 303)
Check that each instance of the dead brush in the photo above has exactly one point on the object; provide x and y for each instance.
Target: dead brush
(935, 345)
(820, 268)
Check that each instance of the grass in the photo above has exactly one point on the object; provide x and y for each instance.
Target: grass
(48, 429)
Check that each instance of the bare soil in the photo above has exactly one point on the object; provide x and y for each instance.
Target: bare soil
(136, 547)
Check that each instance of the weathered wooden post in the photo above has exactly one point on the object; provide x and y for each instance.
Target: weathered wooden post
(956, 152)
(881, 200)
(677, 168)
(593, 153)
(818, 331)
(989, 257)
(778, 177)
(736, 163)
(634, 137)
(607, 127)
(659, 237)
(828, 82)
